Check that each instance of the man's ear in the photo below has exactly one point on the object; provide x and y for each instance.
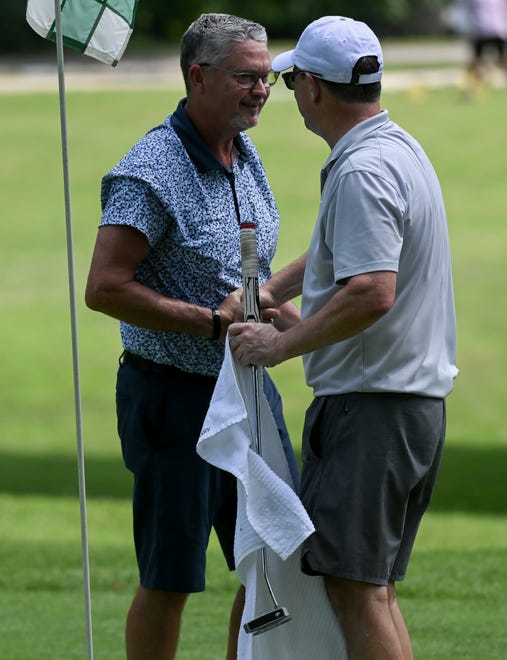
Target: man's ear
(314, 87)
(196, 78)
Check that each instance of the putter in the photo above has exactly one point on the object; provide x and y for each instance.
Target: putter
(251, 307)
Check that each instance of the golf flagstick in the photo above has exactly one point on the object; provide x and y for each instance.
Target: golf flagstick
(73, 321)
(251, 308)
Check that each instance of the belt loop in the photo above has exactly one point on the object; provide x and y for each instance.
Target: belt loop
(121, 359)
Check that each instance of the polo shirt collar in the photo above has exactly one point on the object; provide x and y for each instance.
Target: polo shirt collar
(204, 159)
(355, 134)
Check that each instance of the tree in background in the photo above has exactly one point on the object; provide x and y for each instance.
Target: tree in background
(161, 23)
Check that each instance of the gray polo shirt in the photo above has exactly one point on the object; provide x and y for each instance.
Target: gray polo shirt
(382, 209)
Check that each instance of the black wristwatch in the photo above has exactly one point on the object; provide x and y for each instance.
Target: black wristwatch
(217, 324)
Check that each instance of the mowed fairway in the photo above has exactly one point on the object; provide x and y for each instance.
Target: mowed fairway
(455, 594)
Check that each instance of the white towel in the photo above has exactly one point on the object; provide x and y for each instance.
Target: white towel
(270, 515)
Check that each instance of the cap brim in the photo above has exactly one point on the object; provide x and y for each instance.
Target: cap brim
(283, 61)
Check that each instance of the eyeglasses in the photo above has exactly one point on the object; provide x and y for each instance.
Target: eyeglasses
(248, 80)
(289, 78)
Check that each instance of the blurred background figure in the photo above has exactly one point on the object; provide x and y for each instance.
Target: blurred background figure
(483, 23)
(487, 22)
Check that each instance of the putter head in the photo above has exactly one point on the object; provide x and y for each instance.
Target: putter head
(267, 621)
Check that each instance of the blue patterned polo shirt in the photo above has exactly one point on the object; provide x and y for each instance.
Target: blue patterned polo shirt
(172, 188)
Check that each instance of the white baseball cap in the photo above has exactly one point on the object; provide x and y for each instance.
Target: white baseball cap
(330, 48)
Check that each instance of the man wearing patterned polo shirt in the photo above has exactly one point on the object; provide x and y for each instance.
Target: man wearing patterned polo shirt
(166, 264)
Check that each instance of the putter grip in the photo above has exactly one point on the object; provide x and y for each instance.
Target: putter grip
(250, 269)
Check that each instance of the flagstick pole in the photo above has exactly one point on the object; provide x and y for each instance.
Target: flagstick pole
(73, 320)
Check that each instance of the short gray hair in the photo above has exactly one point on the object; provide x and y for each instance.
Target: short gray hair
(210, 38)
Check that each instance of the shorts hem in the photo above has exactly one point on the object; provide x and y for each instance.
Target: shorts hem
(154, 586)
(307, 569)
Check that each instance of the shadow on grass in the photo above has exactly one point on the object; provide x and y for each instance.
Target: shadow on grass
(56, 474)
(471, 479)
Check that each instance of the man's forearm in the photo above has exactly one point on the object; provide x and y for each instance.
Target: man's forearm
(353, 308)
(358, 305)
(289, 316)
(287, 283)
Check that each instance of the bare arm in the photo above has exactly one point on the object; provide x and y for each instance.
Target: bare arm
(113, 290)
(276, 294)
(355, 307)
(288, 316)
(286, 284)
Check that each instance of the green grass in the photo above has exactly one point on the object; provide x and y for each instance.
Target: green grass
(454, 596)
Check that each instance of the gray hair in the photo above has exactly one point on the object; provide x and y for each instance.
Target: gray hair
(210, 38)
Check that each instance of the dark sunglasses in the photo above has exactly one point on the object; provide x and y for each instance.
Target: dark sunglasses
(289, 78)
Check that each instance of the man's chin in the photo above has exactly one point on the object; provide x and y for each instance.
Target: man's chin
(244, 124)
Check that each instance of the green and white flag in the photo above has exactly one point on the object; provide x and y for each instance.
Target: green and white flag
(99, 28)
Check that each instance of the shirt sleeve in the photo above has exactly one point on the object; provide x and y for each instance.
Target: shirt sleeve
(365, 225)
(132, 202)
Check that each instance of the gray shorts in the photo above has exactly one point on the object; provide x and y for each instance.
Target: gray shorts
(370, 461)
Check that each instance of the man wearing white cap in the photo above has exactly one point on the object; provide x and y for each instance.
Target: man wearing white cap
(377, 335)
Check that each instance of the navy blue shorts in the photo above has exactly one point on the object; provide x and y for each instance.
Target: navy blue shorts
(178, 497)
(370, 462)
